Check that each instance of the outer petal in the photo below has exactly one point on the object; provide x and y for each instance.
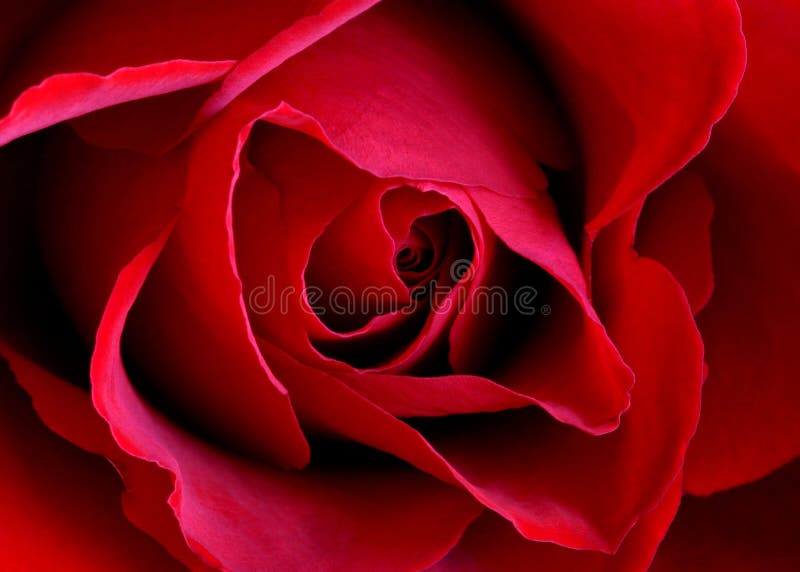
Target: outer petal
(76, 208)
(46, 354)
(60, 506)
(66, 96)
(139, 33)
(750, 424)
(168, 45)
(749, 528)
(674, 228)
(491, 544)
(68, 411)
(643, 83)
(247, 516)
(330, 14)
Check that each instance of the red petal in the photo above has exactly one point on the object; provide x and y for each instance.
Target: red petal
(448, 129)
(492, 544)
(574, 368)
(247, 515)
(189, 330)
(68, 410)
(749, 424)
(99, 38)
(548, 476)
(749, 528)
(62, 97)
(86, 232)
(152, 39)
(674, 229)
(303, 33)
(539, 474)
(466, 120)
(61, 505)
(414, 396)
(643, 83)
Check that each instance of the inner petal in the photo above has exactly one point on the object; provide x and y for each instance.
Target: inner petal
(415, 254)
(375, 325)
(420, 254)
(350, 277)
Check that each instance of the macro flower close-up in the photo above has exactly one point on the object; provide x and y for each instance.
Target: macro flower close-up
(399, 285)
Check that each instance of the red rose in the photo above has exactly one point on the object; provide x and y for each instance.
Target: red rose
(361, 285)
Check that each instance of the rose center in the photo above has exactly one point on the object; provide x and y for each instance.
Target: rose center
(414, 256)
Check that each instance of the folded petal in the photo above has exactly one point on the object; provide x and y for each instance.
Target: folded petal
(68, 411)
(189, 340)
(248, 516)
(548, 476)
(539, 474)
(642, 113)
(573, 366)
(328, 16)
(492, 544)
(445, 111)
(141, 33)
(284, 29)
(65, 96)
(749, 424)
(85, 232)
(453, 128)
(149, 48)
(61, 505)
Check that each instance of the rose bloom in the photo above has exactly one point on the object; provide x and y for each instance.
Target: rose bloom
(399, 285)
